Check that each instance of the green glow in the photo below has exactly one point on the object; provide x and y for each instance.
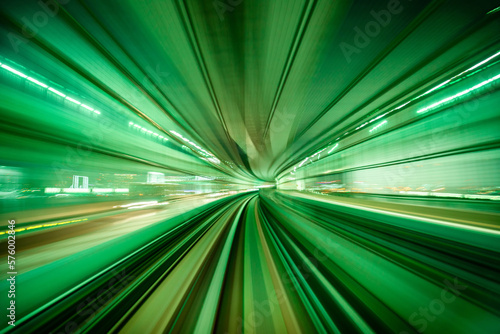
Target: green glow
(73, 100)
(52, 190)
(361, 126)
(102, 190)
(303, 162)
(14, 71)
(10, 69)
(87, 107)
(361, 241)
(478, 64)
(333, 148)
(462, 93)
(56, 92)
(432, 89)
(377, 126)
(493, 11)
(37, 82)
(378, 117)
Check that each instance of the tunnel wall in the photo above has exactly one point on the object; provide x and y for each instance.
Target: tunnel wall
(453, 151)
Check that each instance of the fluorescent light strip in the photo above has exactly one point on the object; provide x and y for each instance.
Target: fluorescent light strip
(436, 87)
(56, 92)
(431, 90)
(37, 82)
(379, 125)
(72, 100)
(87, 107)
(319, 152)
(493, 11)
(10, 69)
(191, 143)
(473, 88)
(362, 125)
(478, 64)
(373, 120)
(333, 148)
(303, 162)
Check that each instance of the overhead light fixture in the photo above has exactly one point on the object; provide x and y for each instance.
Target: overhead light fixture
(333, 148)
(10, 69)
(73, 100)
(37, 82)
(56, 92)
(378, 125)
(464, 92)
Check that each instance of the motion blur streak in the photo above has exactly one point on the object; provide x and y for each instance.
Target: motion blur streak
(250, 166)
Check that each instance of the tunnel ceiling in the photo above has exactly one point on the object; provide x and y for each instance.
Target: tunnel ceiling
(260, 83)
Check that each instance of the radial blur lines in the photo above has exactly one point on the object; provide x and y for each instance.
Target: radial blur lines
(282, 262)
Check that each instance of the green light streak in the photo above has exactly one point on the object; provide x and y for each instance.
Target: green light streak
(56, 92)
(479, 64)
(37, 82)
(53, 90)
(377, 126)
(10, 69)
(333, 148)
(303, 162)
(493, 11)
(18, 73)
(439, 86)
(462, 93)
(87, 107)
(73, 100)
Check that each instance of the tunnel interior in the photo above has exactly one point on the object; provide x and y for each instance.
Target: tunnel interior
(250, 166)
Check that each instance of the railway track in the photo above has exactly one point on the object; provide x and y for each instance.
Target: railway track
(276, 264)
